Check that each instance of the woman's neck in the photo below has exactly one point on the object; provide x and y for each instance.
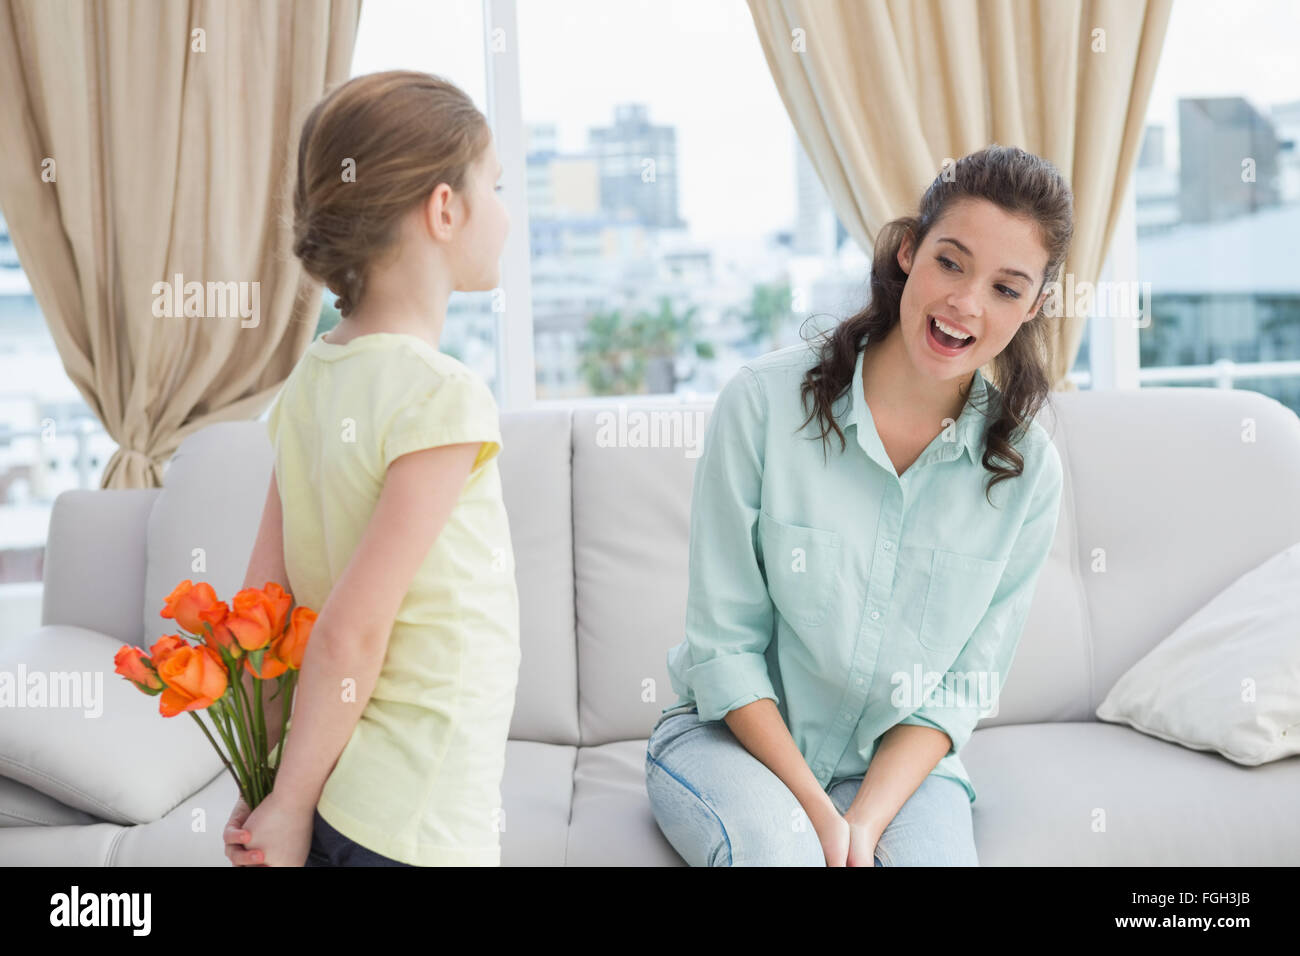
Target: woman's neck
(900, 396)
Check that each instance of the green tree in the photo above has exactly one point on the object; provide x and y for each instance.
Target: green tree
(621, 356)
(610, 361)
(769, 308)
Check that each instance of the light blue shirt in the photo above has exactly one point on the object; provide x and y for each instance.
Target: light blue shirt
(855, 598)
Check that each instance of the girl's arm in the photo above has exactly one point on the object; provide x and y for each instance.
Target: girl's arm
(350, 636)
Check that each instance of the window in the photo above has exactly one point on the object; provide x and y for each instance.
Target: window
(50, 441)
(1218, 201)
(670, 239)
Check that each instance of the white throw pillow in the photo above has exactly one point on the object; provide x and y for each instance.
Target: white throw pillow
(1228, 678)
(103, 748)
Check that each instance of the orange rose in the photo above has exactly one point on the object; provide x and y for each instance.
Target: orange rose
(187, 602)
(164, 647)
(272, 665)
(195, 677)
(292, 644)
(218, 634)
(281, 600)
(251, 619)
(134, 664)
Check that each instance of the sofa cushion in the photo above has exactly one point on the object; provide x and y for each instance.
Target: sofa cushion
(1178, 492)
(22, 806)
(190, 835)
(613, 824)
(631, 528)
(204, 522)
(536, 486)
(1097, 794)
(93, 845)
(1191, 688)
(92, 531)
(536, 795)
(110, 754)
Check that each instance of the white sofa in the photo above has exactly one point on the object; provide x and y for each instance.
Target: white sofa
(1159, 481)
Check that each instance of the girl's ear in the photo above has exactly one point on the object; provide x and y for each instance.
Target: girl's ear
(437, 212)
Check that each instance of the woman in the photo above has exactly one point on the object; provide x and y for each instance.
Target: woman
(852, 613)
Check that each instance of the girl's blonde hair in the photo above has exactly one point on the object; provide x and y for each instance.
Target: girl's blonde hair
(371, 150)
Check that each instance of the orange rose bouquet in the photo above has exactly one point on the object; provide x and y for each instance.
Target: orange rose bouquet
(260, 632)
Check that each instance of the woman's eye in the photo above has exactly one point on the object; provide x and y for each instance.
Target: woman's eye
(1006, 291)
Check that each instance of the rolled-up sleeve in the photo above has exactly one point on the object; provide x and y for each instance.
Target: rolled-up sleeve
(729, 613)
(954, 705)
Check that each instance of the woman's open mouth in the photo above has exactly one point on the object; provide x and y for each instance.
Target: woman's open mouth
(942, 342)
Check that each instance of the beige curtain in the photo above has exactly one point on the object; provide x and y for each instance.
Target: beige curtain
(140, 141)
(882, 91)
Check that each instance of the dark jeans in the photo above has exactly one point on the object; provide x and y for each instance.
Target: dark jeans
(331, 848)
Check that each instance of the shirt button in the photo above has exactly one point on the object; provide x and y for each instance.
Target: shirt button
(875, 615)
(859, 680)
(888, 545)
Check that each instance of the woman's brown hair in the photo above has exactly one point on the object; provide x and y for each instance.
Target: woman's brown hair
(370, 150)
(1023, 185)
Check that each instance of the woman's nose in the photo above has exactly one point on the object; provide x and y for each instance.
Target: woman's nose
(965, 303)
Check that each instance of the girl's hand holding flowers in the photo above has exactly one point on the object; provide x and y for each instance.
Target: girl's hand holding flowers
(261, 633)
(280, 830)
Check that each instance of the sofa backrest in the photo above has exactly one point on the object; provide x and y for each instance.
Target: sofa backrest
(1175, 493)
(1170, 495)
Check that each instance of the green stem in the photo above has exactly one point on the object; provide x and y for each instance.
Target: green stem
(264, 757)
(243, 791)
(240, 697)
(254, 767)
(248, 784)
(249, 787)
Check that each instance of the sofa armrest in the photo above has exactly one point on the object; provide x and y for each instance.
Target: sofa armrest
(95, 561)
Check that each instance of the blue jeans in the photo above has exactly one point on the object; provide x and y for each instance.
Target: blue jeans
(331, 848)
(719, 805)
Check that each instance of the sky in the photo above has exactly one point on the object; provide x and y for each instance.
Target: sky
(698, 66)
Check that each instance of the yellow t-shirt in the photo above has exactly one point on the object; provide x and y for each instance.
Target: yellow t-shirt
(420, 778)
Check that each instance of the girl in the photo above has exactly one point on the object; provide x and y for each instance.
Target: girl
(386, 491)
(850, 618)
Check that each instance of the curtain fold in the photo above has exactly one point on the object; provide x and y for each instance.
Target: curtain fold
(881, 92)
(144, 141)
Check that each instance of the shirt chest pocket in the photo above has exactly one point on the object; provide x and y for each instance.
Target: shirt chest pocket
(803, 569)
(960, 589)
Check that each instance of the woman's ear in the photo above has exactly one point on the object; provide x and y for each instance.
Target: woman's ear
(1037, 306)
(905, 252)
